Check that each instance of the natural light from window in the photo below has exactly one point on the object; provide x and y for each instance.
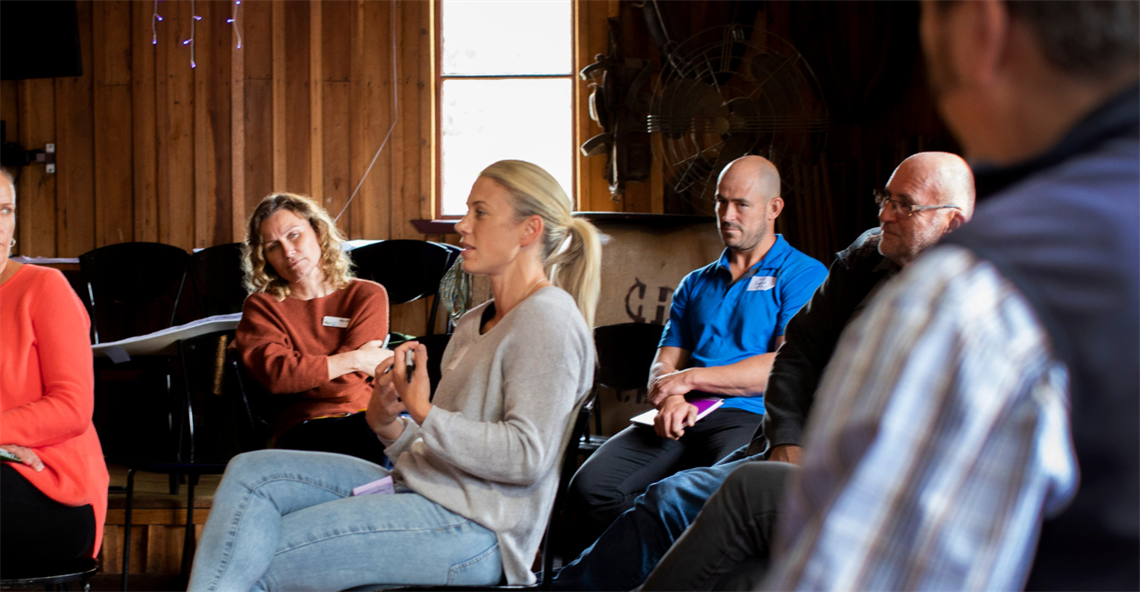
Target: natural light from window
(507, 91)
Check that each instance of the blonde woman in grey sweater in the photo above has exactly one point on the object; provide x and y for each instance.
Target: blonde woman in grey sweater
(476, 468)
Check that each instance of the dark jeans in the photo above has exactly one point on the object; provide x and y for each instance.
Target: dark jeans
(728, 545)
(631, 547)
(38, 534)
(637, 457)
(348, 434)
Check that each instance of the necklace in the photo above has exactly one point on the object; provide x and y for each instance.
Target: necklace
(531, 288)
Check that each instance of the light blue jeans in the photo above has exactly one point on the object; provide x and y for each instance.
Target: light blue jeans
(287, 520)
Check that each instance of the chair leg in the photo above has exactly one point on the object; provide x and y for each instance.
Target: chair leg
(188, 541)
(174, 480)
(127, 529)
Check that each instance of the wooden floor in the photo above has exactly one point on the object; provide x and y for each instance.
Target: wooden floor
(158, 528)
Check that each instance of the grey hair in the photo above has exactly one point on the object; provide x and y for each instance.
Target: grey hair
(1092, 39)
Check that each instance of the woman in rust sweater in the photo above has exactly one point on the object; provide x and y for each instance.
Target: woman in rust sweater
(53, 500)
(310, 332)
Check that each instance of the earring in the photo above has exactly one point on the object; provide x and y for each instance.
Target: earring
(12, 243)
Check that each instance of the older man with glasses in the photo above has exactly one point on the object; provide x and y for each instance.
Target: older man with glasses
(932, 193)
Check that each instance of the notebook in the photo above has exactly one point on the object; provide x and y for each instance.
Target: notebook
(705, 406)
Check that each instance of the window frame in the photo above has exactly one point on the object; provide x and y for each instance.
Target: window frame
(437, 108)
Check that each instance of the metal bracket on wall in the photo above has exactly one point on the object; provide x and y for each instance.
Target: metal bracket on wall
(48, 158)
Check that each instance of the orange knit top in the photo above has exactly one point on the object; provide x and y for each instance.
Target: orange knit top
(47, 389)
(285, 346)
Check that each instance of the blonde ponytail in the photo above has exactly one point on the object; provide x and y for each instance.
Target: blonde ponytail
(572, 251)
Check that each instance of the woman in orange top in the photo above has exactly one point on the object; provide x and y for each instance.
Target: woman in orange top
(310, 333)
(54, 500)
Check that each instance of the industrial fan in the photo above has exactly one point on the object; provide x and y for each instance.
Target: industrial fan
(730, 91)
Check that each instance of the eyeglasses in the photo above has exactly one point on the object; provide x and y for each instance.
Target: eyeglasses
(883, 199)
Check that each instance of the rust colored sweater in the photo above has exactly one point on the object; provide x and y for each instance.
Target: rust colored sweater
(285, 346)
(47, 387)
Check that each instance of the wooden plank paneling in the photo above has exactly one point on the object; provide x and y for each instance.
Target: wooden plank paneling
(217, 71)
(297, 107)
(114, 182)
(143, 125)
(336, 20)
(371, 105)
(175, 78)
(237, 136)
(35, 189)
(280, 145)
(75, 222)
(335, 153)
(202, 141)
(316, 125)
(258, 48)
(9, 109)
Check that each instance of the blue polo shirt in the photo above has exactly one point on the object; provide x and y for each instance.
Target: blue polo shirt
(721, 322)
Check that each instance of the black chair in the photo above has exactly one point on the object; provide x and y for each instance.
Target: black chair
(207, 427)
(132, 288)
(217, 278)
(578, 430)
(408, 269)
(435, 344)
(60, 578)
(625, 353)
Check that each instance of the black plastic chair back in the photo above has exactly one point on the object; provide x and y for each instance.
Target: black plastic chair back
(216, 426)
(217, 276)
(436, 345)
(554, 523)
(259, 407)
(625, 353)
(132, 288)
(408, 269)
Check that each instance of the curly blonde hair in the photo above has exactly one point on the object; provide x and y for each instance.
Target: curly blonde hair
(260, 275)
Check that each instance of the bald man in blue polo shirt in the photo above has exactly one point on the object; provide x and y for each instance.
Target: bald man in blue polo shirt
(726, 322)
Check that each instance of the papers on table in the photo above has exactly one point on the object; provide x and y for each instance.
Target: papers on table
(46, 260)
(165, 342)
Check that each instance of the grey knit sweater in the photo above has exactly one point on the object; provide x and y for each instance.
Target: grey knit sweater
(490, 448)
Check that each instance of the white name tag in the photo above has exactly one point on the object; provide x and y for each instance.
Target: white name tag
(339, 322)
(761, 283)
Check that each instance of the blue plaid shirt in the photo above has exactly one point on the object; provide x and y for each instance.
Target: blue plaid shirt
(939, 441)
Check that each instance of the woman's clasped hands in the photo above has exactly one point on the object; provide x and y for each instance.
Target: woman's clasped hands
(393, 393)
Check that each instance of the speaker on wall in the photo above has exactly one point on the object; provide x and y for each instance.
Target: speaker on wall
(39, 39)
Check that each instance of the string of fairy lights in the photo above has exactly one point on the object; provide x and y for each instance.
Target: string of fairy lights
(157, 18)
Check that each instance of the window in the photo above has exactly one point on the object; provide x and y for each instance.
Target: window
(506, 89)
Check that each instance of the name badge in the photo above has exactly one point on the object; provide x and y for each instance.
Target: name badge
(339, 322)
(761, 283)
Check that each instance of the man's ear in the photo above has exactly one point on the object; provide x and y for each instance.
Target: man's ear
(775, 206)
(980, 52)
(532, 230)
(956, 222)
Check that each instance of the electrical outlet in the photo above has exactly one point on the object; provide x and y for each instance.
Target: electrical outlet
(50, 168)
(50, 148)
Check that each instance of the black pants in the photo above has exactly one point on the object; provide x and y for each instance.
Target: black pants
(349, 435)
(37, 533)
(729, 544)
(637, 457)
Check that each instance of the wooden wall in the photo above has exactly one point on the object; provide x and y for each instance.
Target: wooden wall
(150, 149)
